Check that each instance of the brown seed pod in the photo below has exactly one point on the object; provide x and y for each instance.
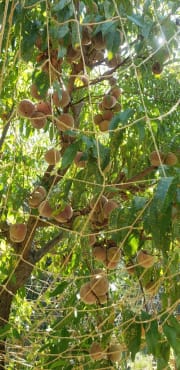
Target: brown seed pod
(175, 212)
(100, 105)
(94, 8)
(26, 108)
(113, 254)
(100, 204)
(98, 217)
(56, 99)
(84, 80)
(108, 207)
(63, 101)
(143, 333)
(98, 118)
(38, 120)
(65, 215)
(99, 253)
(34, 92)
(99, 284)
(99, 42)
(107, 168)
(35, 200)
(73, 54)
(37, 196)
(65, 121)
(108, 101)
(96, 55)
(103, 299)
(41, 190)
(44, 107)
(45, 210)
(111, 265)
(107, 115)
(52, 156)
(170, 159)
(145, 259)
(115, 91)
(157, 68)
(130, 268)
(152, 287)
(38, 42)
(86, 35)
(156, 158)
(114, 62)
(86, 294)
(96, 351)
(112, 81)
(117, 107)
(92, 240)
(17, 232)
(114, 352)
(104, 125)
(77, 160)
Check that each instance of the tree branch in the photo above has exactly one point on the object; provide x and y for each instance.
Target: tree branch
(130, 182)
(47, 247)
(106, 75)
(6, 127)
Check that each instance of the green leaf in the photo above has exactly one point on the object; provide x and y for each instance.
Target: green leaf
(121, 117)
(30, 2)
(139, 202)
(4, 330)
(164, 191)
(125, 6)
(41, 80)
(59, 32)
(108, 27)
(16, 333)
(108, 9)
(137, 19)
(61, 4)
(58, 89)
(104, 155)
(62, 50)
(152, 334)
(62, 322)
(152, 338)
(164, 353)
(157, 218)
(74, 35)
(59, 289)
(57, 364)
(171, 329)
(69, 154)
(113, 41)
(63, 30)
(146, 29)
(132, 333)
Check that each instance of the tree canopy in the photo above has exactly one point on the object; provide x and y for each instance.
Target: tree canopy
(90, 183)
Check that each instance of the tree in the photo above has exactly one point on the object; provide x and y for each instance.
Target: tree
(90, 197)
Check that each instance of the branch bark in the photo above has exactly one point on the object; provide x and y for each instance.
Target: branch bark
(47, 247)
(6, 127)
